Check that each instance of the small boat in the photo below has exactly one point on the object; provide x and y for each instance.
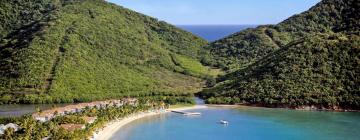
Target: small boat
(224, 122)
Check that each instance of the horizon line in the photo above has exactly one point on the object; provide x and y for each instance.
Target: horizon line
(220, 24)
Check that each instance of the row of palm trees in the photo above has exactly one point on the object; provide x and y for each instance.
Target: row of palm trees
(33, 130)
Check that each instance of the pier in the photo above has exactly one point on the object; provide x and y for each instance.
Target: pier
(186, 113)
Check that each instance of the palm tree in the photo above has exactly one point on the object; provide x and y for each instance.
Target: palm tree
(9, 133)
(28, 124)
(38, 110)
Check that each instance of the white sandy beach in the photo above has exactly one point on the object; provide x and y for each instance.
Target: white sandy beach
(114, 126)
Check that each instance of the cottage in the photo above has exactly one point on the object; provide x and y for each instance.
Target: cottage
(89, 120)
(131, 101)
(72, 127)
(3, 127)
(49, 114)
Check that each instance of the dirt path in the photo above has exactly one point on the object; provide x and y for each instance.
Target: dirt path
(271, 39)
(56, 62)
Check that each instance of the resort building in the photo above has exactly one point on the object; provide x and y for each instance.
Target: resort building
(47, 115)
(72, 127)
(130, 101)
(3, 127)
(89, 120)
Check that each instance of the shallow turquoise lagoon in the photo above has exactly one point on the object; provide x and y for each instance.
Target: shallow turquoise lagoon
(246, 123)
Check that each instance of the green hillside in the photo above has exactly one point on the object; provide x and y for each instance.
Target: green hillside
(82, 50)
(246, 47)
(310, 59)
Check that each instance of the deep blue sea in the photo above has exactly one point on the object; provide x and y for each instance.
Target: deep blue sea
(246, 123)
(214, 32)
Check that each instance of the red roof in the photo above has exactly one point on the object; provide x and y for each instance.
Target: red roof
(89, 119)
(72, 127)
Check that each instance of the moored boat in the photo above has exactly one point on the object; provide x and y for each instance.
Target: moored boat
(224, 122)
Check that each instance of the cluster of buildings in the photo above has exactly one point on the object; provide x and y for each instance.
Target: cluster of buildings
(47, 115)
(7, 126)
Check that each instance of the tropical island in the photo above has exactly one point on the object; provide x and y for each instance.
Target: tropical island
(107, 62)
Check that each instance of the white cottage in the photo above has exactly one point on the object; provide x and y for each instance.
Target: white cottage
(3, 127)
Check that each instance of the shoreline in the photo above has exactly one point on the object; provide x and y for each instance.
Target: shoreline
(112, 127)
(300, 108)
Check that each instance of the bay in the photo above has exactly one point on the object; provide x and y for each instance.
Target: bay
(249, 123)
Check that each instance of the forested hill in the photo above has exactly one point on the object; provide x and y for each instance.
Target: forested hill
(310, 59)
(82, 50)
(246, 47)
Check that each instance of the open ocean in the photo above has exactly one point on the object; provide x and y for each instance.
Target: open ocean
(214, 32)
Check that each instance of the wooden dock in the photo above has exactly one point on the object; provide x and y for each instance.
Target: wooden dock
(186, 113)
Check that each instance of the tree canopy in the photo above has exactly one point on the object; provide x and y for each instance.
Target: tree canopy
(310, 59)
(83, 50)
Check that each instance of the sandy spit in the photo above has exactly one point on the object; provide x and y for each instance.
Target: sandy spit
(114, 126)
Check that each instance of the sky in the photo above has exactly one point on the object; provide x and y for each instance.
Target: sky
(218, 12)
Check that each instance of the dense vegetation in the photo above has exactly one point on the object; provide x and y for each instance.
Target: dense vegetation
(83, 50)
(54, 51)
(310, 59)
(31, 129)
(246, 47)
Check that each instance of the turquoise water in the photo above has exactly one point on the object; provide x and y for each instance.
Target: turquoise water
(246, 123)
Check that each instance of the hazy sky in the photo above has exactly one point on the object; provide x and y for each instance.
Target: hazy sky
(185, 12)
